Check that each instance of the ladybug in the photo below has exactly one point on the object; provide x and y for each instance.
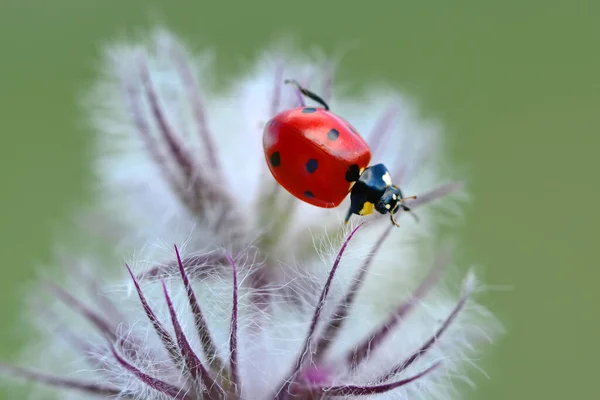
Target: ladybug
(319, 158)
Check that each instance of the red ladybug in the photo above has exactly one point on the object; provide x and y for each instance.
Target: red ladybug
(319, 158)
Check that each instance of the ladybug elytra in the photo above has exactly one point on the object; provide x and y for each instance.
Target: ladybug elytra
(319, 158)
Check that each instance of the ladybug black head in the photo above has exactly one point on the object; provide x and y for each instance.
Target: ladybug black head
(374, 191)
(389, 200)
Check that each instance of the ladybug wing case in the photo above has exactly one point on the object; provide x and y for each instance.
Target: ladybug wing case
(311, 153)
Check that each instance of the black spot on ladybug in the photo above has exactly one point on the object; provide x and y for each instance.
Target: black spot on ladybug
(353, 173)
(308, 110)
(333, 134)
(309, 194)
(275, 159)
(312, 165)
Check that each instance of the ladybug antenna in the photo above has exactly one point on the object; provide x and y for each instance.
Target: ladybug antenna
(393, 220)
(411, 213)
(308, 93)
(406, 208)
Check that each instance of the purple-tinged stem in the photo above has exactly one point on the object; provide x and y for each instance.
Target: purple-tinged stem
(152, 146)
(77, 344)
(70, 337)
(195, 99)
(176, 148)
(319, 308)
(93, 288)
(160, 330)
(203, 265)
(316, 316)
(434, 194)
(429, 197)
(353, 390)
(233, 351)
(63, 383)
(191, 360)
(362, 351)
(202, 189)
(74, 341)
(467, 290)
(208, 346)
(99, 322)
(338, 318)
(163, 387)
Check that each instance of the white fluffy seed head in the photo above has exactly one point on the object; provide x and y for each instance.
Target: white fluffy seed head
(142, 210)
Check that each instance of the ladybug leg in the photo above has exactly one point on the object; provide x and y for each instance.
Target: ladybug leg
(405, 208)
(348, 215)
(411, 212)
(393, 220)
(308, 93)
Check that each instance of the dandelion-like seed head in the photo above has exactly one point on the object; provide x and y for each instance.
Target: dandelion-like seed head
(263, 296)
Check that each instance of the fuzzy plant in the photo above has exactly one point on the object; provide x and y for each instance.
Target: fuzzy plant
(233, 288)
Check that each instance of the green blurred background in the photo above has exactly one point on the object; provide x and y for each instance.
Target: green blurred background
(514, 82)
